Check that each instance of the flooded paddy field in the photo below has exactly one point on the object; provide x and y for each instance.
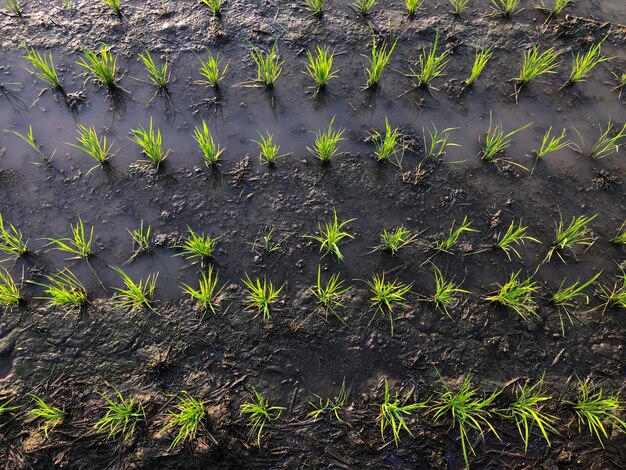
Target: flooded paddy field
(303, 352)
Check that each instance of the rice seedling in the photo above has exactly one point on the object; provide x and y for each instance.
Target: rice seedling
(468, 411)
(269, 66)
(268, 150)
(412, 6)
(517, 294)
(576, 234)
(482, 57)
(331, 407)
(49, 416)
(158, 75)
(78, 244)
(215, 6)
(197, 246)
(320, 66)
(459, 5)
(447, 293)
(552, 143)
(141, 237)
(32, 143)
(266, 243)
(619, 239)
(616, 295)
(122, 416)
(566, 298)
(260, 296)
(102, 65)
(9, 290)
(331, 235)
(151, 144)
(536, 64)
(326, 144)
(514, 236)
(329, 294)
(212, 71)
(6, 408)
(597, 411)
(93, 145)
(134, 294)
(437, 143)
(67, 5)
(12, 241)
(14, 7)
(621, 82)
(115, 5)
(394, 240)
(393, 414)
(387, 295)
(506, 8)
(186, 417)
(497, 141)
(386, 144)
(364, 6)
(527, 411)
(430, 65)
(450, 241)
(378, 60)
(559, 6)
(316, 7)
(207, 292)
(211, 151)
(43, 67)
(608, 143)
(583, 64)
(64, 290)
(260, 414)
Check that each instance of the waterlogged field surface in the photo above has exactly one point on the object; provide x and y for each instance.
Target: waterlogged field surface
(298, 354)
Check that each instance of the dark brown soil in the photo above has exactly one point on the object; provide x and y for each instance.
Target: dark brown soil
(298, 354)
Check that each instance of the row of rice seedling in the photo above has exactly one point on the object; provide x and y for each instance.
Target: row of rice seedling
(472, 413)
(389, 145)
(101, 65)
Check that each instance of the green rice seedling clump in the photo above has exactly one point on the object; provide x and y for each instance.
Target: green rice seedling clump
(387, 295)
(6, 408)
(115, 5)
(320, 66)
(568, 238)
(482, 57)
(49, 416)
(211, 151)
(619, 239)
(506, 8)
(43, 67)
(212, 71)
(122, 416)
(450, 241)
(197, 246)
(551, 143)
(331, 235)
(186, 417)
(316, 7)
(269, 66)
(215, 6)
(141, 237)
(412, 6)
(93, 145)
(151, 144)
(378, 61)
(134, 294)
(326, 145)
(12, 240)
(514, 236)
(259, 414)
(597, 411)
(268, 149)
(557, 8)
(467, 411)
(583, 64)
(536, 64)
(447, 293)
(330, 293)
(459, 5)
(621, 82)
(566, 297)
(29, 138)
(527, 411)
(437, 142)
(364, 6)
(614, 296)
(102, 65)
(394, 240)
(64, 290)
(518, 295)
(608, 143)
(159, 76)
(393, 414)
(497, 141)
(14, 7)
(207, 292)
(79, 244)
(9, 290)
(260, 296)
(430, 65)
(386, 144)
(332, 407)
